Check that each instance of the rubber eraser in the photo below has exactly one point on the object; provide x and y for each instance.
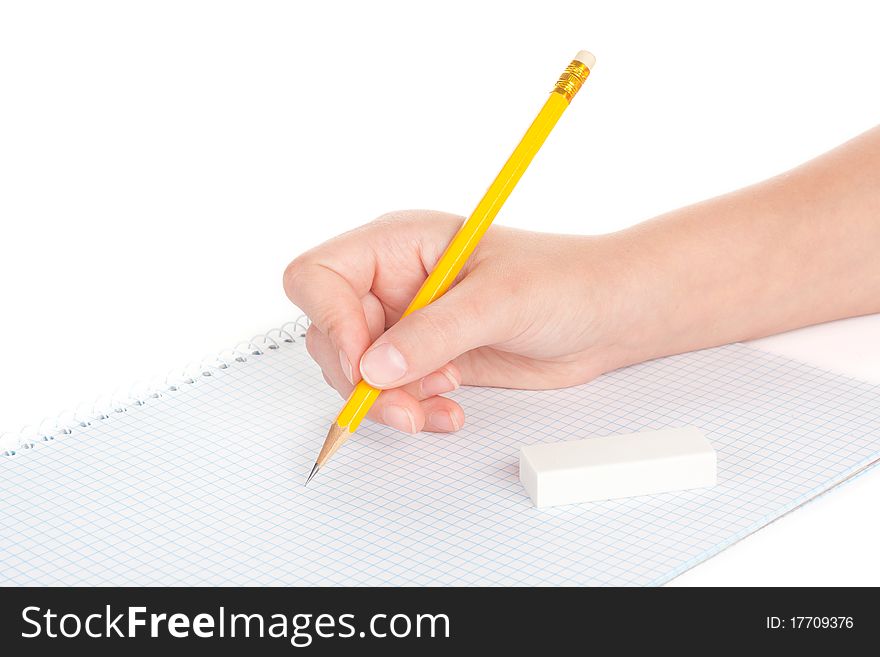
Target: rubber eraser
(611, 467)
(586, 58)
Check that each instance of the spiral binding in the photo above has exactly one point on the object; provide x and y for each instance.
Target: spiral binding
(105, 409)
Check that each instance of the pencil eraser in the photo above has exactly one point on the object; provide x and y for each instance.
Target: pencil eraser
(611, 467)
(586, 58)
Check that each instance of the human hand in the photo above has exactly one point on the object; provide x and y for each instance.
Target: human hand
(534, 310)
(525, 312)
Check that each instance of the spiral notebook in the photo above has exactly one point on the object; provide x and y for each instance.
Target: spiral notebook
(200, 482)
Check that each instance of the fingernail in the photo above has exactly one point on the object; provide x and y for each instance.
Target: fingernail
(400, 418)
(383, 365)
(443, 420)
(346, 366)
(437, 383)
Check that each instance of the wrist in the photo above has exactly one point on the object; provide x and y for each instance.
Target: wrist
(643, 299)
(613, 302)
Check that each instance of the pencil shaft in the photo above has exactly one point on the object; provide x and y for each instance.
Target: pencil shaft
(468, 236)
(465, 241)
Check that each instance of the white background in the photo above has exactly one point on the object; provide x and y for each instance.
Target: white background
(161, 162)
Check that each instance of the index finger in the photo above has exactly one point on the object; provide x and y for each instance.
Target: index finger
(331, 296)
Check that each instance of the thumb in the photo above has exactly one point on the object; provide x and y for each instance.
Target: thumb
(426, 340)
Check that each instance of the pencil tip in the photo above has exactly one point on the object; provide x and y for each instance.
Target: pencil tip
(312, 474)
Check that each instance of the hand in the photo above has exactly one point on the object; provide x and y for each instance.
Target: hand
(532, 310)
(526, 312)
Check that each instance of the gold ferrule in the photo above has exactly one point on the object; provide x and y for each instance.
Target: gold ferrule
(572, 79)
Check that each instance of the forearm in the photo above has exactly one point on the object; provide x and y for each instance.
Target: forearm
(798, 249)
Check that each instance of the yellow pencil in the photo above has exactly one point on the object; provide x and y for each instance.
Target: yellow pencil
(465, 241)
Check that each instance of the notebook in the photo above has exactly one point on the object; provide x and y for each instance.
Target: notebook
(200, 482)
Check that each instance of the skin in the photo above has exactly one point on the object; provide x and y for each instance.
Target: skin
(533, 310)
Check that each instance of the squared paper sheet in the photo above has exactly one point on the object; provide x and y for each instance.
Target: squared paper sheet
(204, 486)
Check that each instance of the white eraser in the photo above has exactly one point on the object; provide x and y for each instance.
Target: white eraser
(617, 466)
(586, 58)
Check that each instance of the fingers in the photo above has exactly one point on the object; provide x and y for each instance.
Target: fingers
(419, 406)
(357, 284)
(461, 320)
(439, 382)
(334, 306)
(442, 415)
(400, 410)
(333, 282)
(412, 408)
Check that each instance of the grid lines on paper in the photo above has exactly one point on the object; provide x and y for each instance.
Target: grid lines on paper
(204, 486)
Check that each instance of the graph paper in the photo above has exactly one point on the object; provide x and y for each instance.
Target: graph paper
(204, 485)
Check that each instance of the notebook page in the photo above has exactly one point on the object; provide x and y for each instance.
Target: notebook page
(204, 486)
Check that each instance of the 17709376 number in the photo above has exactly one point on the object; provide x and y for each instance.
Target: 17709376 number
(810, 623)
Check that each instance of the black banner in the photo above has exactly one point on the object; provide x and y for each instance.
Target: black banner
(432, 621)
